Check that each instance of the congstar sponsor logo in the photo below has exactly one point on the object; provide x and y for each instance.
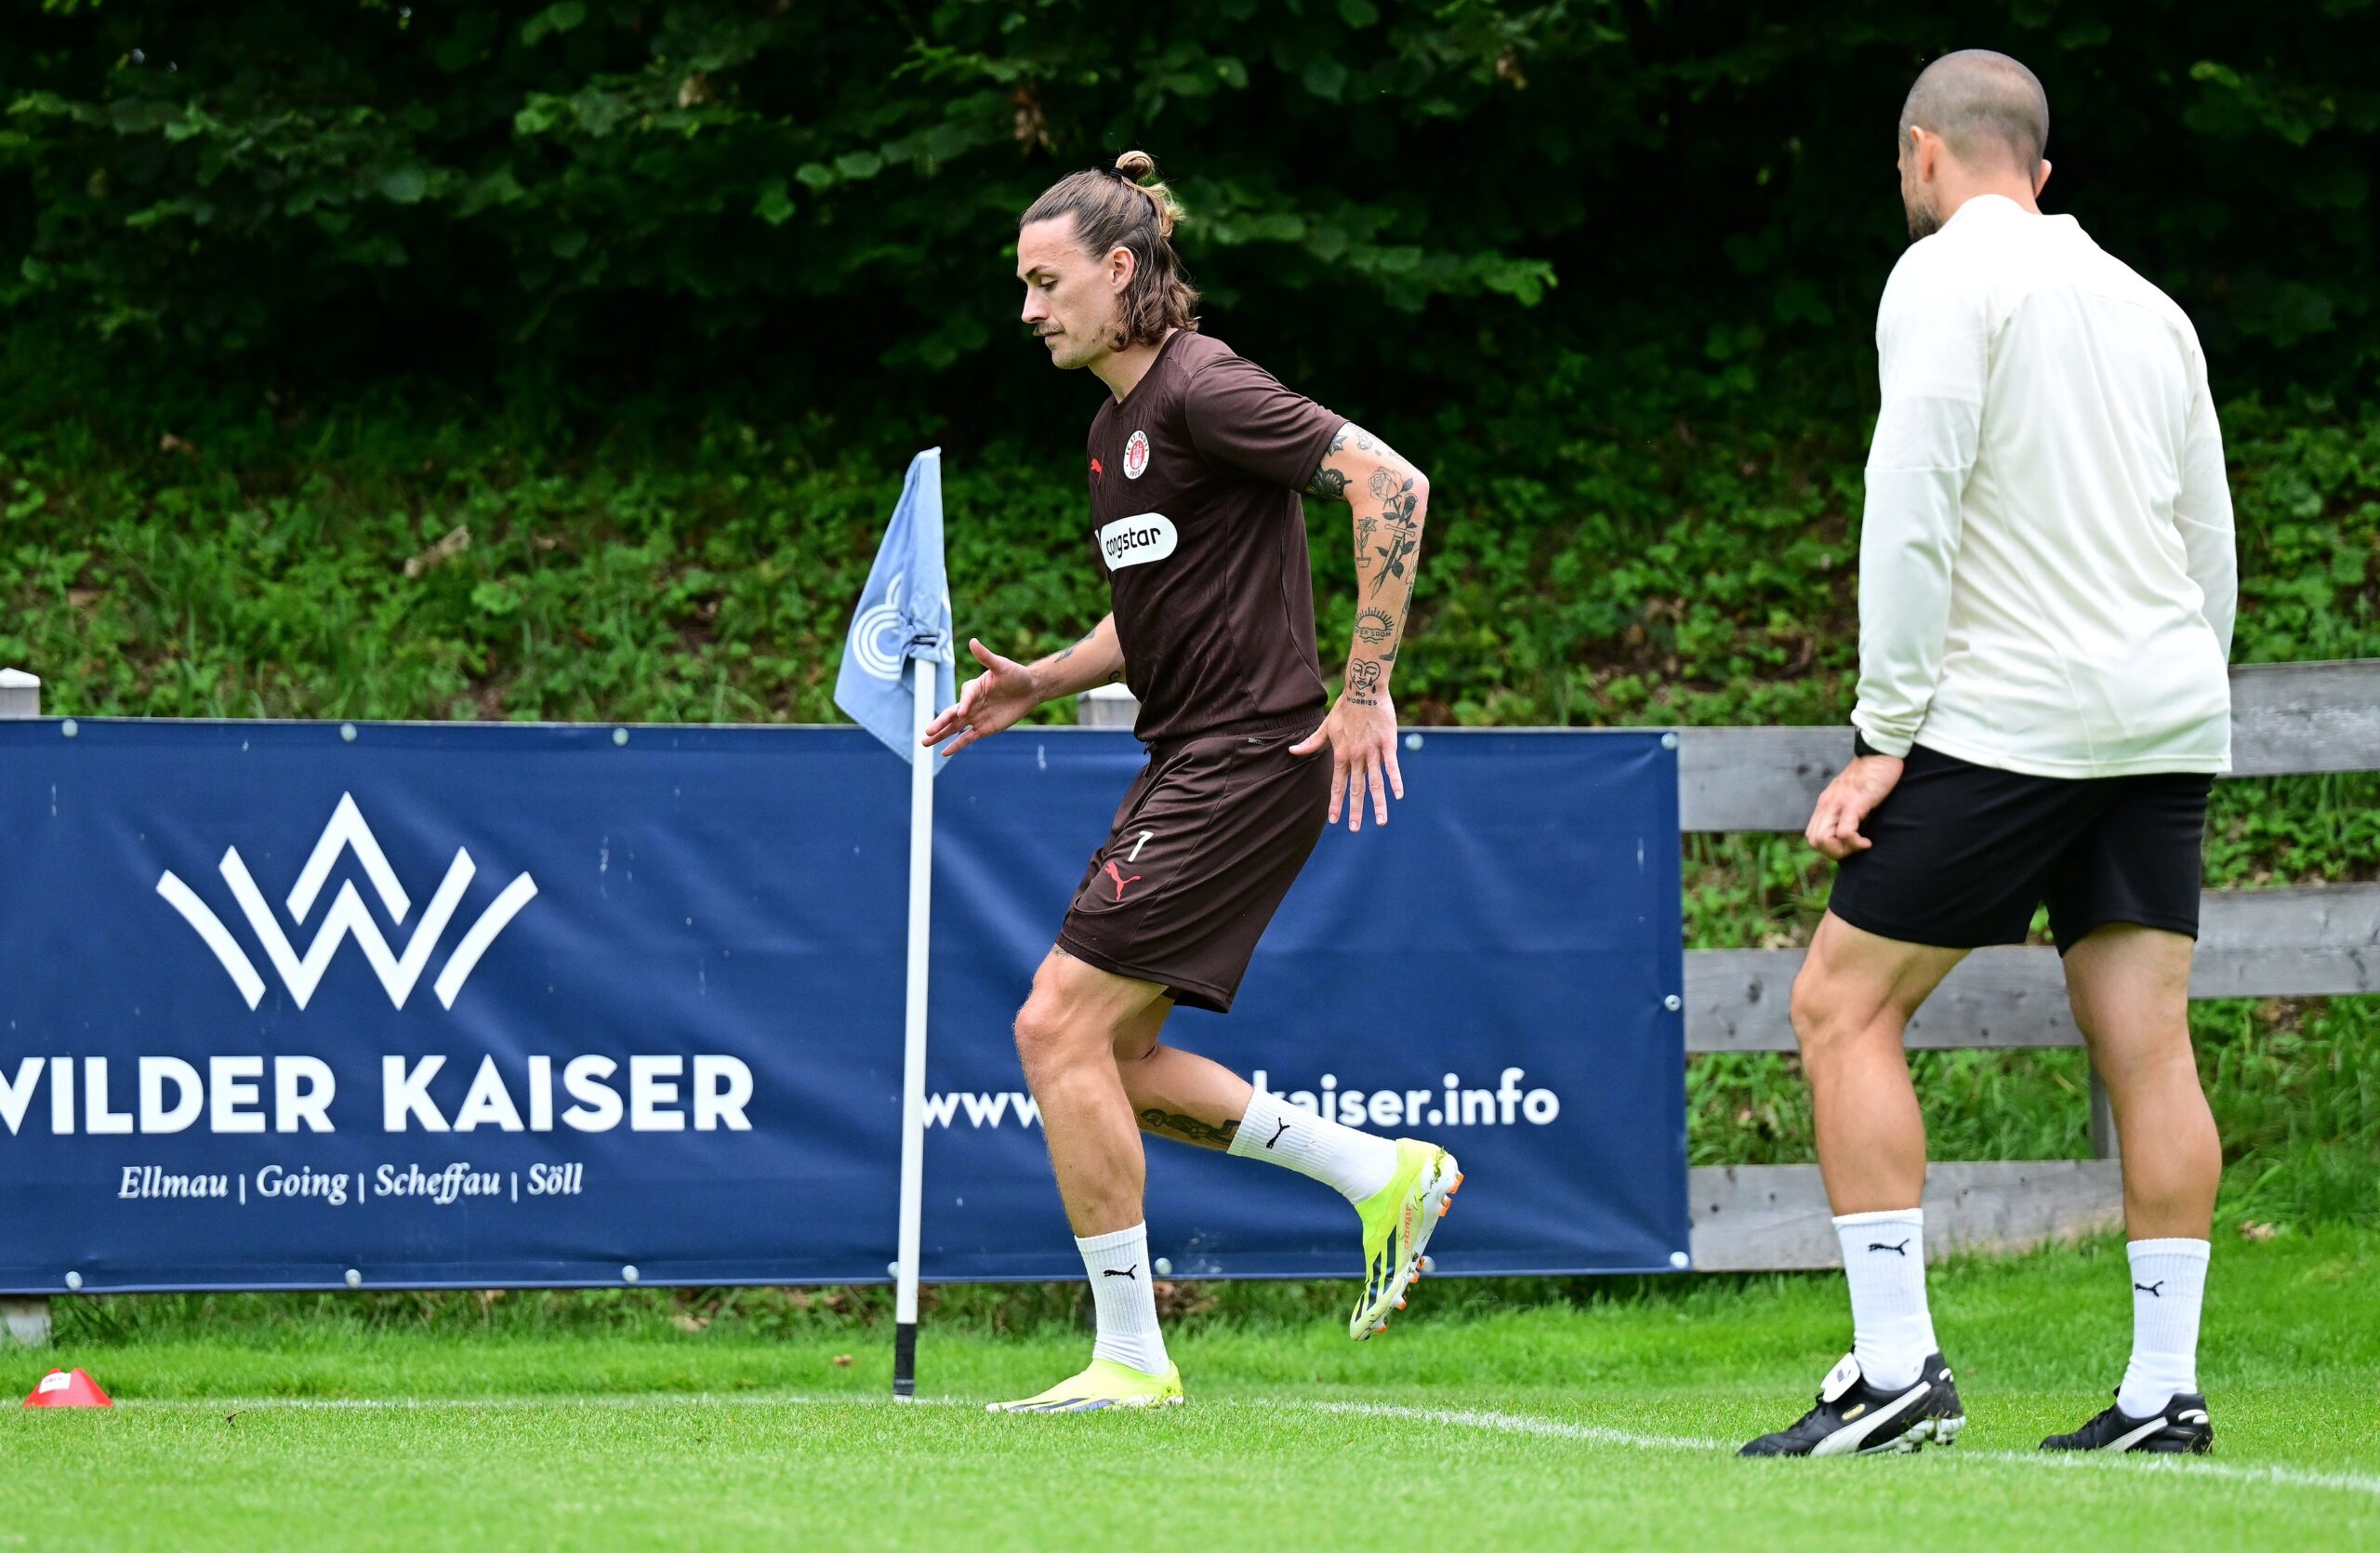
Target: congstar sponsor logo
(1136, 540)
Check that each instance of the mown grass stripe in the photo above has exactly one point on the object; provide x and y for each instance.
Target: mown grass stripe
(1498, 1422)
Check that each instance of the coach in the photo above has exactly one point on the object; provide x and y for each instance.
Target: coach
(2046, 589)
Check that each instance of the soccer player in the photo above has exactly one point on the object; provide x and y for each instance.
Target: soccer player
(2046, 588)
(1198, 458)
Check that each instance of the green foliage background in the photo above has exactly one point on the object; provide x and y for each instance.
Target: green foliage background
(651, 301)
(753, 201)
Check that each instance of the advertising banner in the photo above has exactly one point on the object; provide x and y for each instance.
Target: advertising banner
(312, 1006)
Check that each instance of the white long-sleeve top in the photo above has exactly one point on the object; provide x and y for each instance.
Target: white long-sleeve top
(2047, 577)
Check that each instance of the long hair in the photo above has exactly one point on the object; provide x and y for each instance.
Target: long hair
(1114, 209)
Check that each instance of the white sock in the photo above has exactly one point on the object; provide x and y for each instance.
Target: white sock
(1883, 1257)
(2168, 1290)
(1278, 1133)
(1121, 1293)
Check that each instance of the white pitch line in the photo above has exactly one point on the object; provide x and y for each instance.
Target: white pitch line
(369, 1404)
(2187, 1466)
(2179, 1467)
(1515, 1423)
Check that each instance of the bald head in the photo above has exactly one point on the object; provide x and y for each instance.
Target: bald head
(1989, 110)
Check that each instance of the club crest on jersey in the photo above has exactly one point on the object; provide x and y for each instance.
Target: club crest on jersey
(1139, 538)
(1136, 456)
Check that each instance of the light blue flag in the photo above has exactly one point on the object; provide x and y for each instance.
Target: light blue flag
(904, 617)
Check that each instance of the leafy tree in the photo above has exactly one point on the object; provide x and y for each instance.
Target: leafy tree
(798, 206)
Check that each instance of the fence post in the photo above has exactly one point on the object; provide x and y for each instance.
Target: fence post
(1107, 706)
(19, 694)
(2103, 1122)
(22, 1319)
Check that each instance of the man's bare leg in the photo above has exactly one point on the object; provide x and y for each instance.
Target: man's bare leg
(1176, 1094)
(1088, 1042)
(1065, 1037)
(1196, 1100)
(2130, 988)
(1398, 1187)
(1851, 1004)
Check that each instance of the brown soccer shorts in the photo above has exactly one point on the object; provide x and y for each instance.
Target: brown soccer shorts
(1208, 839)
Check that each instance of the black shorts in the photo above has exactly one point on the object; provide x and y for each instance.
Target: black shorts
(1207, 841)
(1964, 853)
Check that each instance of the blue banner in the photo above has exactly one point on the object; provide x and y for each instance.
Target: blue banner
(304, 1005)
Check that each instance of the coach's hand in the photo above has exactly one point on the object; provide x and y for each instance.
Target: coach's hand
(1850, 798)
(1363, 754)
(994, 699)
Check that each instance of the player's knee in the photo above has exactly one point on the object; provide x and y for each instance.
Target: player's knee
(2152, 1056)
(1825, 1019)
(1038, 1035)
(1045, 1036)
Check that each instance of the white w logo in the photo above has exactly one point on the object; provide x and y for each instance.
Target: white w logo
(348, 918)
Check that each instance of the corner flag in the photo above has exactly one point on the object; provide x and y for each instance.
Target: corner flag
(901, 628)
(903, 615)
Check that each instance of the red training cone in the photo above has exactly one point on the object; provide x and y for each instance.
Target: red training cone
(67, 1389)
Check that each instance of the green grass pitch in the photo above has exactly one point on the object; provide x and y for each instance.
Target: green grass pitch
(1605, 1420)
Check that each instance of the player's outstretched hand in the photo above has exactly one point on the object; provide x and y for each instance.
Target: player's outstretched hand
(991, 701)
(1363, 755)
(1849, 798)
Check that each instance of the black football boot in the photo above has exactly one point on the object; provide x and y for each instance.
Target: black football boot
(2180, 1428)
(1855, 1419)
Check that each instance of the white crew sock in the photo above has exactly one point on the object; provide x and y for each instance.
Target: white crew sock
(2168, 1290)
(1124, 1300)
(1357, 1163)
(1883, 1257)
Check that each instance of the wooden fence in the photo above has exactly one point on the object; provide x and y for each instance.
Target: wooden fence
(2286, 719)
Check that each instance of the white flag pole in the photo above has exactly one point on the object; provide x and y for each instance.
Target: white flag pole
(913, 1065)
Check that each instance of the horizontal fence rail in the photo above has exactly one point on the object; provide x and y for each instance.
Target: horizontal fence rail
(2287, 719)
(2294, 943)
(1750, 1218)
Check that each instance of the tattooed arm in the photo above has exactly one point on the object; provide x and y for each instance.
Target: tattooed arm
(1005, 690)
(1098, 659)
(1390, 498)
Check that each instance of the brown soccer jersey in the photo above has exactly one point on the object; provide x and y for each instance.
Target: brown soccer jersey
(1194, 499)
